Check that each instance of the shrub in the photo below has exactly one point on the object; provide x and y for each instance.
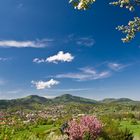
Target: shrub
(87, 128)
(112, 131)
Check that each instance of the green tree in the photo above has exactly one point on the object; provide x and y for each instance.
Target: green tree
(130, 29)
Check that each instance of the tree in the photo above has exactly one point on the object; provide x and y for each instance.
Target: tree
(130, 29)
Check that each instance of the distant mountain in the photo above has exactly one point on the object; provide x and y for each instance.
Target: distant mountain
(32, 101)
(37, 102)
(29, 102)
(108, 100)
(119, 101)
(67, 98)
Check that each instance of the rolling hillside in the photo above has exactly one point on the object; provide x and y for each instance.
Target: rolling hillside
(34, 101)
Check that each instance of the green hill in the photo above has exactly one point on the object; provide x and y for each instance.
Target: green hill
(67, 98)
(34, 101)
(119, 101)
(37, 102)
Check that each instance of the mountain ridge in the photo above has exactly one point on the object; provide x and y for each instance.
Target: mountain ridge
(35, 100)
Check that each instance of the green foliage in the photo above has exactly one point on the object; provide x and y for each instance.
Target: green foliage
(87, 136)
(112, 131)
(6, 133)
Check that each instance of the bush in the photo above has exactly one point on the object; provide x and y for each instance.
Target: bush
(87, 128)
(111, 131)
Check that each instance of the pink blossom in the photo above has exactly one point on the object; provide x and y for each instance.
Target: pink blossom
(87, 124)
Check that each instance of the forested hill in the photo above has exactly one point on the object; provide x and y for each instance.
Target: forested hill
(33, 101)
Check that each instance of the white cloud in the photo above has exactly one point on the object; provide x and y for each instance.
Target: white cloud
(88, 70)
(37, 60)
(86, 74)
(116, 66)
(45, 84)
(25, 44)
(60, 56)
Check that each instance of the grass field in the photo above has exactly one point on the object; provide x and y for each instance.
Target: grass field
(39, 130)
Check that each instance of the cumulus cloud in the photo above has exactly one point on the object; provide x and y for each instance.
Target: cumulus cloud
(45, 84)
(86, 74)
(59, 57)
(25, 44)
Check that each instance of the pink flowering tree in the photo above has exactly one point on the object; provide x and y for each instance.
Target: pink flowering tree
(87, 128)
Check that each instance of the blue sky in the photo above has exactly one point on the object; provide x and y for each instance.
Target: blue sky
(48, 48)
